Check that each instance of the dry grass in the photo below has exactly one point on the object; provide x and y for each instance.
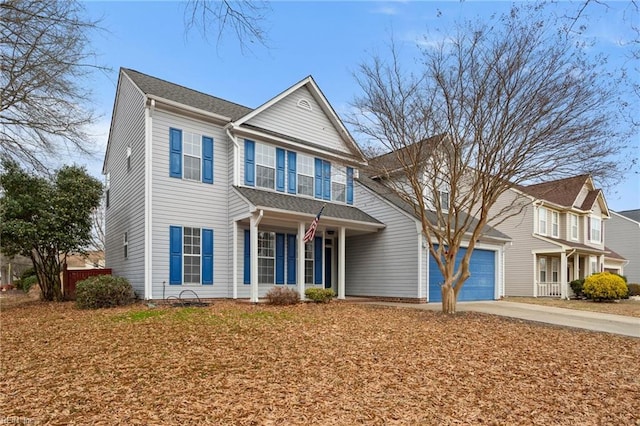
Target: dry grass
(329, 364)
(628, 307)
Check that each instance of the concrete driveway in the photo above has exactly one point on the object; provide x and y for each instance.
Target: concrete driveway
(595, 321)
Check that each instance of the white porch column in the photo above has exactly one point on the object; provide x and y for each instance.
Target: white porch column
(235, 260)
(535, 275)
(300, 267)
(420, 255)
(564, 288)
(341, 262)
(253, 233)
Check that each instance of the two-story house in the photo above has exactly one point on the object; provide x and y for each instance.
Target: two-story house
(558, 235)
(623, 236)
(208, 197)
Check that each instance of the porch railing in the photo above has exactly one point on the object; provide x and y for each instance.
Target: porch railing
(548, 289)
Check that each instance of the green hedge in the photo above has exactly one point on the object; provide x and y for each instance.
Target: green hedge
(319, 295)
(103, 291)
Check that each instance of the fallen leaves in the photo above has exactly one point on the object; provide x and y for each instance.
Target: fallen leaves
(339, 363)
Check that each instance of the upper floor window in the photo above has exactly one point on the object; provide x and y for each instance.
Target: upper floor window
(305, 175)
(444, 200)
(555, 224)
(338, 183)
(265, 166)
(125, 245)
(573, 226)
(128, 158)
(192, 150)
(542, 220)
(190, 156)
(596, 229)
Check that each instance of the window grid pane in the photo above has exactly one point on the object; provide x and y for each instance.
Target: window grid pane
(338, 191)
(305, 185)
(265, 155)
(192, 151)
(308, 263)
(191, 250)
(265, 177)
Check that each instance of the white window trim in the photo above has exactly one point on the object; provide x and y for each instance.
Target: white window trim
(546, 225)
(571, 227)
(555, 224)
(593, 220)
(125, 245)
(541, 261)
(299, 172)
(184, 255)
(273, 239)
(198, 156)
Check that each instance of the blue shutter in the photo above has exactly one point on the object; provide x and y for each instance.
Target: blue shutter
(247, 256)
(175, 252)
(317, 260)
(249, 162)
(349, 185)
(291, 259)
(318, 179)
(291, 172)
(280, 169)
(207, 159)
(279, 258)
(175, 155)
(207, 256)
(326, 171)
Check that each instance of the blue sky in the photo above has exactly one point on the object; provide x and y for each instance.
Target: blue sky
(325, 39)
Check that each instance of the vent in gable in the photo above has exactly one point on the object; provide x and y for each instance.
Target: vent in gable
(304, 104)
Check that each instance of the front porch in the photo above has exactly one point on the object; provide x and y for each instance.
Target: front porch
(553, 271)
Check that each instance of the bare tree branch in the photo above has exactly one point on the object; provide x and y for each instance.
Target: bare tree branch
(244, 18)
(513, 102)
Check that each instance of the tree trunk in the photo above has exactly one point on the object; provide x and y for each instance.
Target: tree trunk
(48, 271)
(448, 299)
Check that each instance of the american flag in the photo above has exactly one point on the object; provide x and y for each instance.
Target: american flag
(311, 232)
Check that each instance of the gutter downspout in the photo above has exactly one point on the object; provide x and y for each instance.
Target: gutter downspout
(148, 222)
(255, 221)
(236, 154)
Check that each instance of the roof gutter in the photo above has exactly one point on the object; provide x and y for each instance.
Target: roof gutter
(217, 117)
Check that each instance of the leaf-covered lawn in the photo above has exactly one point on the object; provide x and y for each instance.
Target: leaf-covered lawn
(340, 363)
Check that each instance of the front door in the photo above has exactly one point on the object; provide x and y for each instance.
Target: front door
(569, 272)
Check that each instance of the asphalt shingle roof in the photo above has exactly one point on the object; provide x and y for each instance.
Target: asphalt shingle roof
(174, 92)
(390, 195)
(562, 191)
(275, 200)
(631, 214)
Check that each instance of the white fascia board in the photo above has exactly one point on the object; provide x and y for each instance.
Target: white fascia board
(221, 119)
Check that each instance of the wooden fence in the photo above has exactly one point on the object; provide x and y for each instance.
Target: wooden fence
(71, 276)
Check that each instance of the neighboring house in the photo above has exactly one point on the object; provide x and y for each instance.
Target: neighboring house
(209, 197)
(89, 260)
(623, 236)
(11, 268)
(558, 236)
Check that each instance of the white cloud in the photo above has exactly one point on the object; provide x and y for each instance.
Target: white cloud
(385, 10)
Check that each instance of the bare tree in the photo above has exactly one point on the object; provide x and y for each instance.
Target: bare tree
(245, 18)
(96, 241)
(512, 102)
(44, 60)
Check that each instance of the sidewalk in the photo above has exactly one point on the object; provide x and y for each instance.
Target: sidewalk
(595, 321)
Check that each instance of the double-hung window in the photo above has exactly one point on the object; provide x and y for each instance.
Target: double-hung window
(555, 224)
(338, 183)
(308, 262)
(596, 229)
(555, 275)
(265, 166)
(125, 245)
(192, 154)
(266, 257)
(542, 221)
(444, 200)
(542, 267)
(573, 225)
(191, 249)
(305, 175)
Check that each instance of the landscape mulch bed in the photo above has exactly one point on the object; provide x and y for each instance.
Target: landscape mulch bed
(334, 364)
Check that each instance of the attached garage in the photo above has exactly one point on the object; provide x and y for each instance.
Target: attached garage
(481, 285)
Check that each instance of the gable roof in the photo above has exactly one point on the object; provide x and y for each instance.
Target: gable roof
(309, 206)
(317, 94)
(561, 191)
(631, 214)
(174, 92)
(389, 194)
